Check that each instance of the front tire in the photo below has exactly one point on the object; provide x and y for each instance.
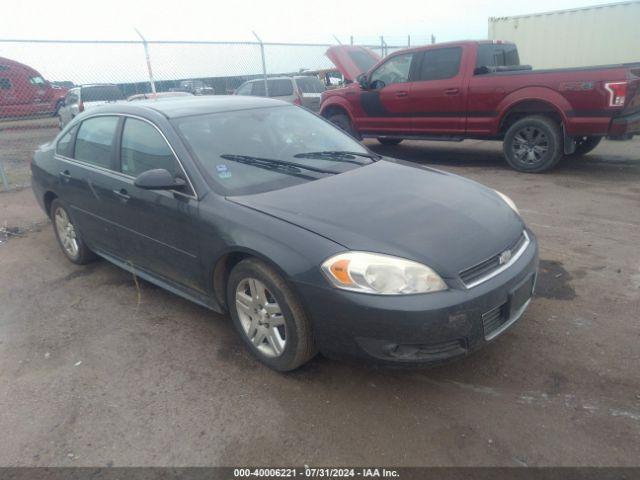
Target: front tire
(268, 316)
(533, 144)
(585, 144)
(68, 235)
(389, 141)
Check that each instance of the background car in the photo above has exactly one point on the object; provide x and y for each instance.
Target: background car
(300, 90)
(84, 97)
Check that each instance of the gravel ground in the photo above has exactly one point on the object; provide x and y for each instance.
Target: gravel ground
(95, 372)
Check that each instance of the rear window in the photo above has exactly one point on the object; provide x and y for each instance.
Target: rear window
(280, 88)
(101, 93)
(363, 60)
(500, 55)
(5, 84)
(93, 143)
(441, 63)
(310, 85)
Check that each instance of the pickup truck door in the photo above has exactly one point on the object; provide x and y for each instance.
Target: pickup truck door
(438, 96)
(387, 103)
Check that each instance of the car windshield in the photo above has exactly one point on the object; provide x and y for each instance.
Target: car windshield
(258, 150)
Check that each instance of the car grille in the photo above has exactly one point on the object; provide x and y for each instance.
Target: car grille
(494, 319)
(492, 266)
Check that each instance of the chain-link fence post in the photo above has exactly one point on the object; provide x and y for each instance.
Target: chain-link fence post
(5, 182)
(146, 54)
(264, 64)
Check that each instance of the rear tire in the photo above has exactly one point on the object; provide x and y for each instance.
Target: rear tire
(584, 145)
(389, 141)
(343, 122)
(269, 317)
(533, 144)
(68, 236)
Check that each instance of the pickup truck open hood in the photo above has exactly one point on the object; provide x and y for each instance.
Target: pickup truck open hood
(352, 60)
(441, 220)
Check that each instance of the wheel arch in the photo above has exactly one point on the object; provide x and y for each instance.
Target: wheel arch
(532, 101)
(336, 106)
(47, 200)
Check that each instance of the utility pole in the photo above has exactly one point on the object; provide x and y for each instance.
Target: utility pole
(264, 64)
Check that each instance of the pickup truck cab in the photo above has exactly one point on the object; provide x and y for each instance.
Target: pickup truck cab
(478, 89)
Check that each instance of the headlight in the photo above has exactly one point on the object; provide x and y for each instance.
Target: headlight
(508, 201)
(380, 274)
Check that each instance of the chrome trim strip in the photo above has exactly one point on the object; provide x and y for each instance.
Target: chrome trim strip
(102, 169)
(499, 270)
(508, 323)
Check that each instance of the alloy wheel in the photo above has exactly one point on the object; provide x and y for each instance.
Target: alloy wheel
(261, 317)
(66, 232)
(530, 145)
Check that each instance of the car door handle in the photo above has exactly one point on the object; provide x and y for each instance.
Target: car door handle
(122, 195)
(452, 91)
(402, 94)
(65, 176)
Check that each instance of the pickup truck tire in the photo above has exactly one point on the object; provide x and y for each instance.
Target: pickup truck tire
(585, 144)
(342, 121)
(389, 141)
(533, 144)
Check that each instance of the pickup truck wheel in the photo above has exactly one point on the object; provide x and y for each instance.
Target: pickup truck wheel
(533, 144)
(389, 141)
(343, 122)
(585, 144)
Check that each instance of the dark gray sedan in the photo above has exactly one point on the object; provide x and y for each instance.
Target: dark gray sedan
(310, 241)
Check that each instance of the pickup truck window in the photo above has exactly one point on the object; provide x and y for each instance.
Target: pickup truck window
(440, 64)
(394, 70)
(497, 55)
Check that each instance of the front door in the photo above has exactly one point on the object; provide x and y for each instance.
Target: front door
(386, 105)
(438, 93)
(159, 227)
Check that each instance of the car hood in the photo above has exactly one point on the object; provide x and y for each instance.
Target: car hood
(402, 209)
(352, 60)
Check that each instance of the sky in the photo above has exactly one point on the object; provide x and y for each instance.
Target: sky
(302, 21)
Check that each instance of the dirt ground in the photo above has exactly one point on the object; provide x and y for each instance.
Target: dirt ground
(94, 372)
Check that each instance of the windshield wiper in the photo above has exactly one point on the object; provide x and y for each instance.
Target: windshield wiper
(259, 161)
(340, 156)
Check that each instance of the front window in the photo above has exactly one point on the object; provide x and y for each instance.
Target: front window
(143, 148)
(394, 70)
(280, 88)
(227, 145)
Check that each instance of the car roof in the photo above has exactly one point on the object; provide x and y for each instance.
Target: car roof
(193, 105)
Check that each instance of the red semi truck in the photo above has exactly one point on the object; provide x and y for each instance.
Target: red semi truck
(478, 89)
(24, 92)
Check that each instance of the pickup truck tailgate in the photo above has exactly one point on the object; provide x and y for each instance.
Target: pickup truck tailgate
(628, 121)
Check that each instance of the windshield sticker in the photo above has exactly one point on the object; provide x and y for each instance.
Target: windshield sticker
(225, 174)
(222, 167)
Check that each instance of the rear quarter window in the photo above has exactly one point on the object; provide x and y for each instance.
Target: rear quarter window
(64, 146)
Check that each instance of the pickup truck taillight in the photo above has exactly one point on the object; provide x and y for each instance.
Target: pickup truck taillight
(617, 93)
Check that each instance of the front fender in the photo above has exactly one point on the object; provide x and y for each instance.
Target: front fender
(336, 101)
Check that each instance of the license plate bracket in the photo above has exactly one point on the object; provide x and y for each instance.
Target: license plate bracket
(520, 295)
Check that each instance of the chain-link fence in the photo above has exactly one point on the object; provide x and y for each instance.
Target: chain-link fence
(38, 78)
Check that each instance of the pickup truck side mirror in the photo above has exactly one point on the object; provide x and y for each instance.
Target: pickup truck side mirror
(158, 179)
(363, 81)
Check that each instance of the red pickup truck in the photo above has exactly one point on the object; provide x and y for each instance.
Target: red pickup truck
(478, 89)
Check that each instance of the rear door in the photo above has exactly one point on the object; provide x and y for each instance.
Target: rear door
(159, 227)
(387, 105)
(87, 178)
(438, 99)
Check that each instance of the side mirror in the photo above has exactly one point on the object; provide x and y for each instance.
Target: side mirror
(159, 179)
(362, 80)
(377, 85)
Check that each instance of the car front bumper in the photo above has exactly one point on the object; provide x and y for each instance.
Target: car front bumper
(424, 328)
